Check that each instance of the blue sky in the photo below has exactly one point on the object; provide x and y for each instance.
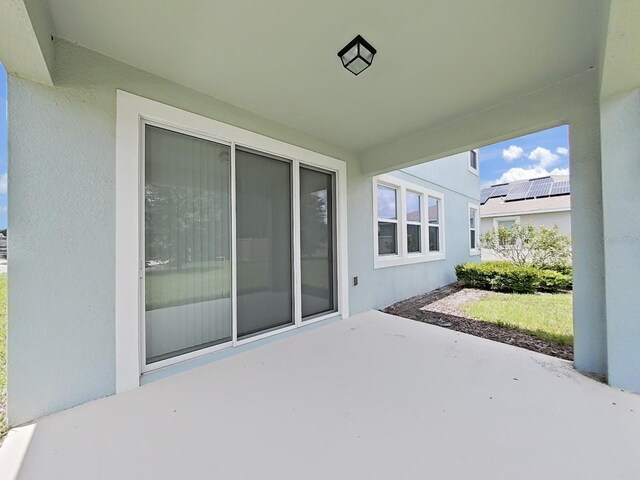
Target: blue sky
(3, 148)
(530, 156)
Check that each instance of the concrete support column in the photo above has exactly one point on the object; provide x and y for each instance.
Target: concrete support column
(590, 347)
(620, 118)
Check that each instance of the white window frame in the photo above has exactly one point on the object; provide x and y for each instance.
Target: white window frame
(420, 223)
(476, 170)
(404, 257)
(476, 209)
(389, 220)
(440, 225)
(133, 112)
(496, 220)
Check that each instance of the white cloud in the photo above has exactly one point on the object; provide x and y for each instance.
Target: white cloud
(3, 183)
(515, 174)
(543, 156)
(559, 171)
(512, 153)
(562, 150)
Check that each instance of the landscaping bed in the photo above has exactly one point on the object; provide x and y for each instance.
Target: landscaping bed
(444, 307)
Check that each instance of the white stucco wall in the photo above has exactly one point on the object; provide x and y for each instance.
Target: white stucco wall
(560, 219)
(621, 199)
(548, 219)
(61, 215)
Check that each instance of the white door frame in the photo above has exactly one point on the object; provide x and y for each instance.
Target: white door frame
(133, 112)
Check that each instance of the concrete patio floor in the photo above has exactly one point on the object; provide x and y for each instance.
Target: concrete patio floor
(371, 397)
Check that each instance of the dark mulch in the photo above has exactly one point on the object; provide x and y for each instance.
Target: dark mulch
(410, 308)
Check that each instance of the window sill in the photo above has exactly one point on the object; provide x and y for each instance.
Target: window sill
(474, 253)
(384, 262)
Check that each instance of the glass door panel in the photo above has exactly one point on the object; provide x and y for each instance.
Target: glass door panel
(187, 244)
(317, 242)
(263, 240)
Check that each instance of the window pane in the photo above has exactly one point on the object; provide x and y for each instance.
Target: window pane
(472, 218)
(434, 239)
(387, 238)
(316, 242)
(263, 243)
(434, 210)
(413, 207)
(473, 159)
(473, 239)
(187, 244)
(387, 203)
(506, 223)
(413, 238)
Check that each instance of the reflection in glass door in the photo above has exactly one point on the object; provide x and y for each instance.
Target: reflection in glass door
(187, 239)
(263, 242)
(317, 242)
(189, 267)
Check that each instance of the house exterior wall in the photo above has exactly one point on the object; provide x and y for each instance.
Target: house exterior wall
(382, 286)
(450, 173)
(574, 101)
(62, 164)
(550, 219)
(62, 184)
(621, 197)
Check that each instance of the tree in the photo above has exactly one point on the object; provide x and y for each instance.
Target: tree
(526, 244)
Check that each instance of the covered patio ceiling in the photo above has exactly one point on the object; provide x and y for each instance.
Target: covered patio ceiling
(374, 396)
(437, 60)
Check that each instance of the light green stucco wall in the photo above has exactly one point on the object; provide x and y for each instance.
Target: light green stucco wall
(62, 220)
(621, 200)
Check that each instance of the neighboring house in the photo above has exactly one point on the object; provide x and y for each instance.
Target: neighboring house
(544, 201)
(189, 182)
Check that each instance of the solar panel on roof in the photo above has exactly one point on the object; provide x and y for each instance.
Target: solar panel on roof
(501, 190)
(540, 188)
(561, 188)
(486, 194)
(518, 191)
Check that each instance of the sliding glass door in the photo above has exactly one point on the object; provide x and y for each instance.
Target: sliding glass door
(317, 242)
(264, 246)
(187, 244)
(220, 245)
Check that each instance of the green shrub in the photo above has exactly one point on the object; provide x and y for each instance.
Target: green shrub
(508, 277)
(526, 244)
(564, 268)
(551, 281)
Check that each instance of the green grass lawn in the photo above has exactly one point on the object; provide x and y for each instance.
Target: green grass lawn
(3, 350)
(546, 316)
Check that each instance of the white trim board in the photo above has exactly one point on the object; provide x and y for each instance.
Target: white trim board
(132, 114)
(475, 251)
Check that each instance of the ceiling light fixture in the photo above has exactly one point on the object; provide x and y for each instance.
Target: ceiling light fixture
(357, 56)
